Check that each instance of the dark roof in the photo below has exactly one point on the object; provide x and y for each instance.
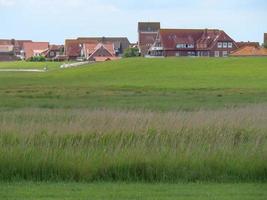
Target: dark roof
(54, 47)
(122, 42)
(73, 46)
(5, 42)
(148, 26)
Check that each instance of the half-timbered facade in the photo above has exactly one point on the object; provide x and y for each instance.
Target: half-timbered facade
(147, 33)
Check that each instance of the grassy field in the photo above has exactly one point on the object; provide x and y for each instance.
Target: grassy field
(105, 145)
(29, 65)
(151, 84)
(136, 120)
(123, 191)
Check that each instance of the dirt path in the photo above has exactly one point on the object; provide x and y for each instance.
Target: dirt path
(22, 70)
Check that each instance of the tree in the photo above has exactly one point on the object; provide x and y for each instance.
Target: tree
(131, 52)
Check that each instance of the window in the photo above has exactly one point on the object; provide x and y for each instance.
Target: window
(177, 54)
(225, 45)
(219, 44)
(225, 53)
(217, 54)
(191, 53)
(52, 53)
(185, 46)
(180, 46)
(230, 45)
(191, 46)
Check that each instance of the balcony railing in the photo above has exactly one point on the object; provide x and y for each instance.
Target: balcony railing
(156, 48)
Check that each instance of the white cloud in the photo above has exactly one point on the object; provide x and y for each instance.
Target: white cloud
(7, 3)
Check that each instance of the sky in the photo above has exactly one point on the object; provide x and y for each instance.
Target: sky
(57, 20)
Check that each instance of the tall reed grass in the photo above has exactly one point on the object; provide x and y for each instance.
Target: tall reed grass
(112, 145)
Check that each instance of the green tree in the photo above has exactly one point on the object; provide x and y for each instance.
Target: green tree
(131, 52)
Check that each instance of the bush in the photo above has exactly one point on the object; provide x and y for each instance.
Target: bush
(131, 52)
(37, 59)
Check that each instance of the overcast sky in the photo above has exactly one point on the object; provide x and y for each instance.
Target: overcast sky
(56, 20)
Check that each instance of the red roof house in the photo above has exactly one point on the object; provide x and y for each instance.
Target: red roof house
(73, 47)
(192, 42)
(95, 51)
(147, 33)
(10, 50)
(31, 49)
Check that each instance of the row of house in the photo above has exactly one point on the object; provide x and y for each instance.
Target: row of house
(153, 41)
(11, 50)
(158, 42)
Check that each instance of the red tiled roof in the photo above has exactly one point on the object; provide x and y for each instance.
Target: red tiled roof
(200, 38)
(92, 47)
(73, 48)
(103, 59)
(171, 37)
(100, 50)
(242, 44)
(250, 51)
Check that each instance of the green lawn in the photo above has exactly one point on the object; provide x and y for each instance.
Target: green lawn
(29, 65)
(154, 84)
(123, 191)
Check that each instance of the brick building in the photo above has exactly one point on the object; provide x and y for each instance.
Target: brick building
(147, 33)
(10, 50)
(265, 38)
(74, 47)
(31, 49)
(192, 42)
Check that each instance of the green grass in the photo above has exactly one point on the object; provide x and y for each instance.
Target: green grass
(105, 145)
(124, 191)
(104, 121)
(29, 65)
(154, 84)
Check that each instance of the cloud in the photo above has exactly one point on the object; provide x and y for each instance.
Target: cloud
(6, 3)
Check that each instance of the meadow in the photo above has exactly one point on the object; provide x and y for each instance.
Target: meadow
(142, 121)
(150, 84)
(131, 191)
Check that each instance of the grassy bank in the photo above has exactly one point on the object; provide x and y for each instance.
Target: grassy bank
(151, 84)
(110, 145)
(122, 191)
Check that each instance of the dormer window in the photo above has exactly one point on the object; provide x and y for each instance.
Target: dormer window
(184, 46)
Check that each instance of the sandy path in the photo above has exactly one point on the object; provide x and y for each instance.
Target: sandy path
(22, 70)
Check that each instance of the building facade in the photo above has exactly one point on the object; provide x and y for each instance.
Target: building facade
(192, 42)
(74, 47)
(265, 38)
(98, 51)
(31, 49)
(11, 50)
(147, 33)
